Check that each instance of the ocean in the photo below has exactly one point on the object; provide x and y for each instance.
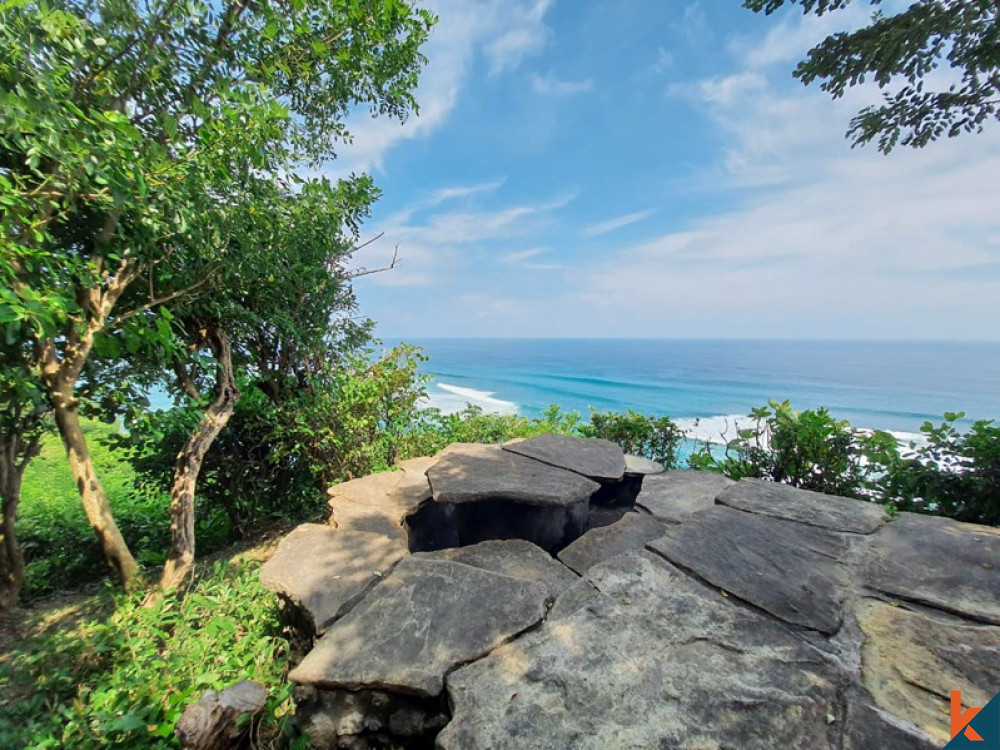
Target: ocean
(893, 386)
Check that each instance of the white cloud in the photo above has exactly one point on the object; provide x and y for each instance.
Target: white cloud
(504, 32)
(618, 222)
(550, 85)
(524, 259)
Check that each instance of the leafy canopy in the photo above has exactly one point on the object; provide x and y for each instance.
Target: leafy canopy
(900, 52)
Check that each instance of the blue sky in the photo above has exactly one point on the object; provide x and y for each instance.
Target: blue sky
(649, 168)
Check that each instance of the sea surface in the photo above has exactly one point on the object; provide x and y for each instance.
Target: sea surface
(894, 386)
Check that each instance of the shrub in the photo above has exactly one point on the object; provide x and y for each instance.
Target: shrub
(656, 438)
(124, 682)
(809, 449)
(951, 474)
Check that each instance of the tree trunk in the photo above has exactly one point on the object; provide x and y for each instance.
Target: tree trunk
(182, 541)
(95, 500)
(11, 559)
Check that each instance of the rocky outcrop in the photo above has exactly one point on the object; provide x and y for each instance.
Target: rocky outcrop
(701, 613)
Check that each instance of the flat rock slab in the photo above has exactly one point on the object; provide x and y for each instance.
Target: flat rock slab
(474, 473)
(598, 459)
(419, 623)
(655, 660)
(675, 496)
(379, 503)
(788, 569)
(513, 557)
(325, 571)
(941, 563)
(630, 534)
(640, 466)
(868, 728)
(812, 508)
(912, 662)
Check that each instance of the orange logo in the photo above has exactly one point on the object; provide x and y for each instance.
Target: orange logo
(960, 720)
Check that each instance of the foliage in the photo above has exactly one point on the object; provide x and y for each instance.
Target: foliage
(899, 52)
(656, 438)
(434, 430)
(809, 449)
(950, 473)
(124, 682)
(60, 548)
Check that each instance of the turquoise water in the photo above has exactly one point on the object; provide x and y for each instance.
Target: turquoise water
(889, 385)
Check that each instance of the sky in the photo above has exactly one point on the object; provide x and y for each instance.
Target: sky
(650, 168)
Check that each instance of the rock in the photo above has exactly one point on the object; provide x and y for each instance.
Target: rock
(497, 494)
(420, 622)
(812, 508)
(342, 718)
(868, 728)
(214, 722)
(627, 535)
(941, 563)
(323, 572)
(912, 662)
(600, 460)
(474, 473)
(675, 495)
(515, 558)
(641, 466)
(380, 503)
(657, 661)
(788, 569)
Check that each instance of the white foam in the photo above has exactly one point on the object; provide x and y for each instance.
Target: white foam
(715, 430)
(455, 398)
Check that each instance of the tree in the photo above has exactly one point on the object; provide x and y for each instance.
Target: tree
(899, 51)
(123, 129)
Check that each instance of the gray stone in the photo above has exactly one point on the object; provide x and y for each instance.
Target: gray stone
(324, 571)
(812, 508)
(629, 534)
(788, 569)
(513, 557)
(867, 728)
(380, 503)
(474, 473)
(419, 623)
(910, 663)
(675, 495)
(941, 563)
(641, 466)
(598, 459)
(497, 494)
(656, 661)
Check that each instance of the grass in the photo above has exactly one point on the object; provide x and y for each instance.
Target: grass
(105, 671)
(60, 548)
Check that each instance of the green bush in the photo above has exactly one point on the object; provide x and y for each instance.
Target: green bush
(808, 449)
(656, 438)
(124, 681)
(951, 474)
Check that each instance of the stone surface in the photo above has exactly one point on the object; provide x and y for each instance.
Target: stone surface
(601, 460)
(675, 495)
(656, 660)
(420, 622)
(641, 466)
(867, 728)
(474, 473)
(325, 571)
(939, 562)
(788, 569)
(629, 534)
(380, 503)
(497, 494)
(911, 662)
(344, 718)
(514, 557)
(811, 508)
